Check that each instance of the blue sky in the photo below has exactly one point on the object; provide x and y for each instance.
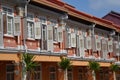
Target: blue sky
(97, 8)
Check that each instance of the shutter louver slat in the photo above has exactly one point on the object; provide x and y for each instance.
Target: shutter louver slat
(17, 23)
(1, 30)
(37, 30)
(50, 38)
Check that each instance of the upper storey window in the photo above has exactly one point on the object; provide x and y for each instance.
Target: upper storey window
(30, 25)
(8, 20)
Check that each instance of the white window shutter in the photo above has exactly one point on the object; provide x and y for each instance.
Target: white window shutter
(115, 48)
(1, 30)
(25, 32)
(37, 30)
(81, 46)
(67, 40)
(60, 34)
(50, 38)
(78, 45)
(104, 48)
(98, 44)
(73, 40)
(17, 26)
(5, 23)
(88, 42)
(110, 46)
(93, 43)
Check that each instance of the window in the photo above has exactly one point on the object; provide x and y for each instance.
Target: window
(110, 46)
(82, 74)
(73, 39)
(30, 26)
(81, 44)
(10, 71)
(8, 20)
(104, 75)
(104, 48)
(69, 40)
(44, 37)
(88, 42)
(52, 73)
(54, 24)
(70, 75)
(38, 72)
(98, 44)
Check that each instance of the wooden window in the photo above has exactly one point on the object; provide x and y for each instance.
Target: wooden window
(10, 72)
(17, 22)
(30, 29)
(73, 40)
(8, 20)
(81, 46)
(60, 34)
(70, 74)
(1, 30)
(38, 73)
(88, 42)
(52, 72)
(110, 46)
(37, 30)
(104, 48)
(30, 26)
(44, 37)
(49, 38)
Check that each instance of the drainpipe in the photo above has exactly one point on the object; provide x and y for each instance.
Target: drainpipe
(93, 33)
(25, 25)
(118, 47)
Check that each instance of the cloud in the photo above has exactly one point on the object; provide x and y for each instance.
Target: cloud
(102, 4)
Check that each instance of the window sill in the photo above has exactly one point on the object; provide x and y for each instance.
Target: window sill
(7, 35)
(32, 39)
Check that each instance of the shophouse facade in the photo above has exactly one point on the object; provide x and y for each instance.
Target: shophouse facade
(50, 30)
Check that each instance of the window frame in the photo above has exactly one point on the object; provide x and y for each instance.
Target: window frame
(39, 72)
(29, 35)
(54, 72)
(11, 16)
(10, 72)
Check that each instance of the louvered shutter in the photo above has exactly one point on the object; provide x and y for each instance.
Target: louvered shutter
(110, 46)
(17, 25)
(38, 30)
(1, 30)
(93, 43)
(5, 23)
(73, 40)
(98, 44)
(78, 45)
(104, 47)
(50, 38)
(116, 48)
(25, 33)
(60, 34)
(81, 46)
(88, 42)
(67, 40)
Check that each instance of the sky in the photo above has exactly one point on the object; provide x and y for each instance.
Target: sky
(98, 8)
